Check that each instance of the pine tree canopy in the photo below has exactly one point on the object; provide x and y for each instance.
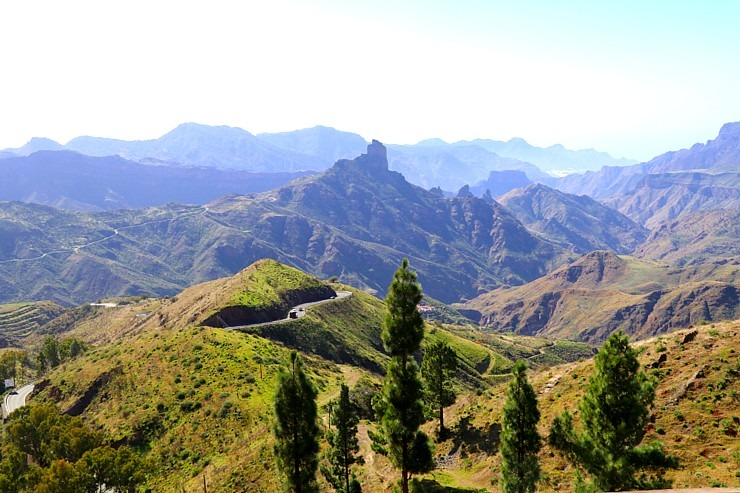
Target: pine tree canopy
(408, 448)
(520, 441)
(438, 367)
(403, 326)
(343, 446)
(296, 428)
(614, 414)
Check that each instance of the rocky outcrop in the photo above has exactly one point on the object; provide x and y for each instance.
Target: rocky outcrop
(93, 391)
(690, 384)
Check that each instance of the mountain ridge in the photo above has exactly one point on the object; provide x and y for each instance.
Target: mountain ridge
(69, 180)
(602, 292)
(577, 220)
(355, 221)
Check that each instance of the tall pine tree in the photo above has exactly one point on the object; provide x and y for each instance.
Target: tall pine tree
(520, 441)
(438, 367)
(614, 413)
(343, 446)
(408, 448)
(296, 429)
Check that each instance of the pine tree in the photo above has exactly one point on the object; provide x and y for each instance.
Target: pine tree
(520, 441)
(343, 446)
(438, 368)
(408, 448)
(296, 429)
(614, 413)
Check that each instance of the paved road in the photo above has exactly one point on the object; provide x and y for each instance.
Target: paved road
(200, 211)
(16, 399)
(300, 311)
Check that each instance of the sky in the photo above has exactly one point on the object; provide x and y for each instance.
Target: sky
(632, 78)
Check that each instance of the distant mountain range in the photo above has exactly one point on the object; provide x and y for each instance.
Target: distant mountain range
(73, 181)
(429, 163)
(703, 177)
(355, 221)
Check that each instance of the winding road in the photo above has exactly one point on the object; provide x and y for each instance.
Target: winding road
(200, 211)
(299, 310)
(16, 399)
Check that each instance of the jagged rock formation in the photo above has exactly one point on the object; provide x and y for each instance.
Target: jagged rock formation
(356, 221)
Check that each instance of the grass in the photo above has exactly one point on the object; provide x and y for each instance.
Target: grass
(197, 400)
(267, 284)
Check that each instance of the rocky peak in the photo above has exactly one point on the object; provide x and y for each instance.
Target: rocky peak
(464, 191)
(375, 158)
(729, 132)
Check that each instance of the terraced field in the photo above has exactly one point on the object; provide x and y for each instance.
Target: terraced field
(20, 320)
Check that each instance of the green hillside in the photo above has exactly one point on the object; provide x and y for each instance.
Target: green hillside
(195, 400)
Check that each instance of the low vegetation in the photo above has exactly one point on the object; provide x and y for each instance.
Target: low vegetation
(20, 321)
(196, 402)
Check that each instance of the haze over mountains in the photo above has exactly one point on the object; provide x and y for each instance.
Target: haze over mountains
(428, 164)
(355, 218)
(703, 177)
(356, 221)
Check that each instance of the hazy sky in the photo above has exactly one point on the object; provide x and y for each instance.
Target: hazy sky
(634, 79)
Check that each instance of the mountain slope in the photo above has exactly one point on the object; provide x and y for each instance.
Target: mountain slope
(601, 292)
(694, 414)
(698, 238)
(324, 143)
(576, 220)
(356, 221)
(70, 180)
(658, 198)
(20, 321)
(720, 154)
(716, 156)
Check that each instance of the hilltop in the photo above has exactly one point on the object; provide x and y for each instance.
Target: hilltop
(196, 399)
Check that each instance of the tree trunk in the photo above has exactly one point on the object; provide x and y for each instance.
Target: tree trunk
(405, 481)
(441, 422)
